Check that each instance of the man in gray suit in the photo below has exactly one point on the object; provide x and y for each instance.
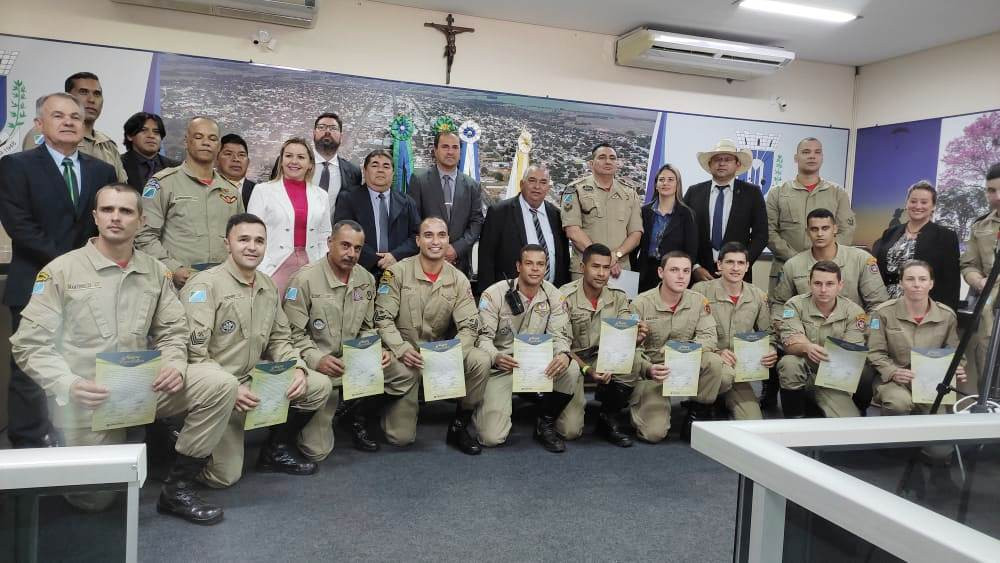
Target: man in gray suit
(444, 191)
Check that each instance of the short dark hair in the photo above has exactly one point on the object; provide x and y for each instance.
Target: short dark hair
(923, 185)
(122, 189)
(331, 115)
(916, 264)
(353, 225)
(596, 249)
(377, 152)
(233, 138)
(532, 248)
(135, 124)
(734, 246)
(241, 218)
(676, 254)
(439, 134)
(71, 80)
(828, 266)
(820, 213)
(602, 145)
(993, 173)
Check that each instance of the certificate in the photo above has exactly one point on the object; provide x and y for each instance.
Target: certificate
(749, 348)
(929, 366)
(129, 377)
(363, 368)
(684, 361)
(843, 370)
(270, 383)
(628, 282)
(533, 353)
(444, 369)
(617, 349)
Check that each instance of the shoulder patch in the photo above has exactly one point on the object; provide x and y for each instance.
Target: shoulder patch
(708, 308)
(567, 200)
(875, 324)
(152, 186)
(386, 278)
(383, 289)
(292, 294)
(861, 321)
(483, 303)
(38, 288)
(198, 296)
(43, 276)
(788, 313)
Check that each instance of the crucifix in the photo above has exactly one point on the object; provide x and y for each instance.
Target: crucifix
(449, 31)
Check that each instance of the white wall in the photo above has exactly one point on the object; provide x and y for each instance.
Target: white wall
(380, 40)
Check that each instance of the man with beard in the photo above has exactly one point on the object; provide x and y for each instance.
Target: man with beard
(332, 173)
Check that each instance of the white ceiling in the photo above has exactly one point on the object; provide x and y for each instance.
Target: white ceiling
(888, 28)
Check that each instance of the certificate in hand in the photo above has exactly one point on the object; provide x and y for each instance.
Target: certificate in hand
(129, 377)
(749, 348)
(628, 282)
(843, 370)
(270, 383)
(928, 366)
(363, 368)
(444, 369)
(533, 353)
(684, 360)
(617, 349)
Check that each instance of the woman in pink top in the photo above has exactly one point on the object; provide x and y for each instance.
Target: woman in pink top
(297, 214)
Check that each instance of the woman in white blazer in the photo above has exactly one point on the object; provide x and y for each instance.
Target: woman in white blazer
(296, 212)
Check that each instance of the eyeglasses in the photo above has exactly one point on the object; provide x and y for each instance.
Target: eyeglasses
(332, 128)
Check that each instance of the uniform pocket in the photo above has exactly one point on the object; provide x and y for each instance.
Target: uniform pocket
(145, 309)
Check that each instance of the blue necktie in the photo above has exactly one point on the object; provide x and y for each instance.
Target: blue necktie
(720, 202)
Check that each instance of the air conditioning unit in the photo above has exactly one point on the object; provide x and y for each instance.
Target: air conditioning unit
(296, 13)
(687, 54)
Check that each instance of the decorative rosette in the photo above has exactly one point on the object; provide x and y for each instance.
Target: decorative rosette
(401, 129)
(444, 124)
(469, 133)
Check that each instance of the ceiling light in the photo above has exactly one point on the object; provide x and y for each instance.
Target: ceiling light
(797, 10)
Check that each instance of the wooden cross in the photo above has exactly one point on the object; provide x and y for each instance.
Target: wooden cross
(449, 31)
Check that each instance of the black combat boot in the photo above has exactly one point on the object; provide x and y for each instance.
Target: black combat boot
(793, 403)
(696, 412)
(280, 454)
(613, 396)
(545, 428)
(769, 391)
(354, 420)
(178, 497)
(458, 433)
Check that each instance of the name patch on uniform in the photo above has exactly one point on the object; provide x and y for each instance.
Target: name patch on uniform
(788, 314)
(875, 324)
(90, 285)
(383, 289)
(198, 296)
(152, 186)
(319, 324)
(292, 294)
(227, 326)
(38, 288)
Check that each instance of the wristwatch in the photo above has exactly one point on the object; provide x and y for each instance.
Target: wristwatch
(618, 254)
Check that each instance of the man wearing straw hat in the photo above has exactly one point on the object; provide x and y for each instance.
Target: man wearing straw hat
(726, 209)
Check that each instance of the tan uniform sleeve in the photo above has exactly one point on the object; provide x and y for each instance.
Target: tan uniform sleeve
(870, 285)
(845, 218)
(852, 333)
(782, 292)
(169, 329)
(971, 261)
(559, 327)
(489, 320)
(642, 361)
(706, 332)
(297, 313)
(34, 345)
(635, 217)
(386, 310)
(368, 323)
(778, 246)
(466, 316)
(569, 209)
(279, 343)
(198, 300)
(878, 348)
(788, 321)
(154, 206)
(763, 322)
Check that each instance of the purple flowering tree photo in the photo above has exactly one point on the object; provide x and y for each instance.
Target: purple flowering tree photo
(966, 159)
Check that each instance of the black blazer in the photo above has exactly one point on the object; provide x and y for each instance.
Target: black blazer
(356, 205)
(505, 233)
(747, 221)
(38, 214)
(936, 245)
(130, 161)
(680, 234)
(466, 220)
(350, 175)
(248, 186)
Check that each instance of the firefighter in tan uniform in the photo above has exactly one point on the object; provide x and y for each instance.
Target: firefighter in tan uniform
(588, 300)
(105, 297)
(803, 325)
(236, 321)
(899, 325)
(543, 314)
(425, 299)
(674, 312)
(86, 88)
(790, 203)
(187, 207)
(327, 303)
(601, 208)
(862, 282)
(737, 306)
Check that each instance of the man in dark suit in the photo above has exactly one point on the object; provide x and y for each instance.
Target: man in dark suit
(390, 237)
(233, 162)
(726, 209)
(512, 223)
(46, 204)
(332, 173)
(445, 191)
(144, 134)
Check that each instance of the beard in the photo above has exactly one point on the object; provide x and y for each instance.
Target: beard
(327, 144)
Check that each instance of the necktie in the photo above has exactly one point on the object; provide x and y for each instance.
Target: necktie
(383, 224)
(541, 242)
(449, 193)
(720, 202)
(70, 176)
(324, 178)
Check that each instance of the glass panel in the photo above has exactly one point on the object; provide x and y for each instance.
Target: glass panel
(811, 538)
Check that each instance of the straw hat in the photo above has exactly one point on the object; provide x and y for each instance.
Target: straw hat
(727, 146)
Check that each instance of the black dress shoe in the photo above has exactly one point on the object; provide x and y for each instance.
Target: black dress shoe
(607, 427)
(458, 436)
(282, 458)
(360, 439)
(178, 497)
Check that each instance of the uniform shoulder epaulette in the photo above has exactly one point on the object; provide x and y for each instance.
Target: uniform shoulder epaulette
(627, 182)
(947, 308)
(981, 217)
(166, 172)
(884, 305)
(569, 287)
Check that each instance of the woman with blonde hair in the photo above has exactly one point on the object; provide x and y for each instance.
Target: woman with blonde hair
(296, 213)
(667, 225)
